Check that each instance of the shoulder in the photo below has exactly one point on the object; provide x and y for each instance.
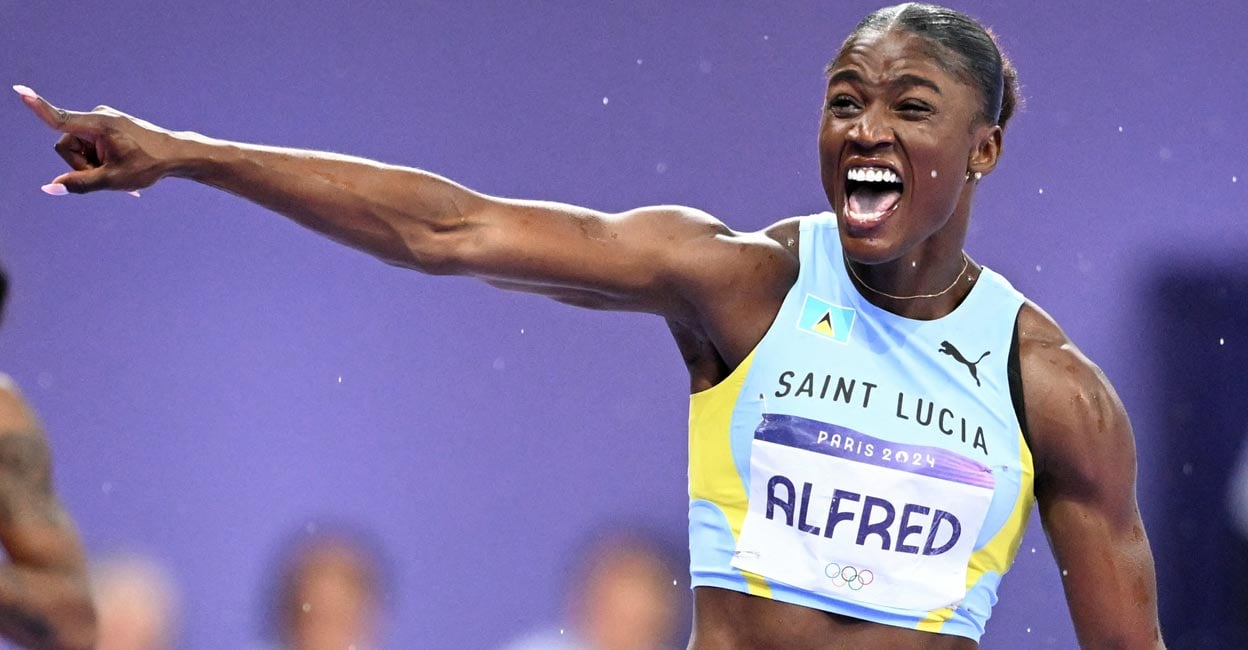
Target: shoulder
(783, 234)
(786, 233)
(1079, 432)
(693, 235)
(735, 285)
(773, 253)
(15, 414)
(742, 259)
(683, 221)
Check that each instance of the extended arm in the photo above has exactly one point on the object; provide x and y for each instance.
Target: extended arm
(45, 599)
(650, 259)
(1085, 486)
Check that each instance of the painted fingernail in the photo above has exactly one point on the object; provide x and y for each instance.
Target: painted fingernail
(25, 91)
(135, 194)
(55, 189)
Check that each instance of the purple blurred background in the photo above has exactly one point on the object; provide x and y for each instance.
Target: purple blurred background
(213, 377)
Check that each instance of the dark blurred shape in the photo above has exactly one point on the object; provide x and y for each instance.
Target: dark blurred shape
(137, 604)
(4, 291)
(329, 594)
(1237, 497)
(1201, 339)
(623, 594)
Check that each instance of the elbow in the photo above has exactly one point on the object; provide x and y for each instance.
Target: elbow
(436, 251)
(456, 242)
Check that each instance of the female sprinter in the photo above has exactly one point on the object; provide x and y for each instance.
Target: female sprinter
(873, 413)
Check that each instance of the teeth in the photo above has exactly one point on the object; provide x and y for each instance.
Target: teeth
(873, 175)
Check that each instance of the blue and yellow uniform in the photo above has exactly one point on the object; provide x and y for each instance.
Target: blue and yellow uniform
(863, 463)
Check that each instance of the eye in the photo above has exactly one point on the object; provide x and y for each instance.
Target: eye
(843, 106)
(914, 109)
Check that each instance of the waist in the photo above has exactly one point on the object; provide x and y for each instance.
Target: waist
(730, 620)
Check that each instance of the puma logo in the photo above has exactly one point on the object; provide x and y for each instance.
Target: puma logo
(947, 348)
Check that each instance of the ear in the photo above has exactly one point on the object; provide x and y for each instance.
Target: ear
(987, 149)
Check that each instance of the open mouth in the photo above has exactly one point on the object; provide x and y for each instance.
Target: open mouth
(871, 194)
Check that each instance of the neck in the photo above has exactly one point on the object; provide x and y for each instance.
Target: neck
(913, 288)
(935, 267)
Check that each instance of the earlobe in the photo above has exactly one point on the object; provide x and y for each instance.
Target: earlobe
(987, 151)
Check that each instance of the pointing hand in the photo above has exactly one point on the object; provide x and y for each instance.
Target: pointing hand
(107, 149)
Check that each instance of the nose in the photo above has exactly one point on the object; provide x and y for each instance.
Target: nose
(871, 130)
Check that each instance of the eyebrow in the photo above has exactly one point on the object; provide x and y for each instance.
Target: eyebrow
(852, 76)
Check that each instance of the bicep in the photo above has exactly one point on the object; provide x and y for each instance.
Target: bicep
(1085, 489)
(638, 260)
(1106, 567)
(34, 527)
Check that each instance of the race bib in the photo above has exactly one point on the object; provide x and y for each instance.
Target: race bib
(856, 518)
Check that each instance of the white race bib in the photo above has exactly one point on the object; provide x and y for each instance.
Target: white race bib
(843, 514)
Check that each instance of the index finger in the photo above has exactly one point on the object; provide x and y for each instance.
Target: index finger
(57, 118)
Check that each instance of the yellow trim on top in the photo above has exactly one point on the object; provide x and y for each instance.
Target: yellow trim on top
(713, 475)
(998, 554)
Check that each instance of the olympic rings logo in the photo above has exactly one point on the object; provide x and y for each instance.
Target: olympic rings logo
(849, 576)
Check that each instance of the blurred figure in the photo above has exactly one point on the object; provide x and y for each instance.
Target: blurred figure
(45, 597)
(1238, 497)
(621, 597)
(137, 603)
(329, 595)
(1237, 502)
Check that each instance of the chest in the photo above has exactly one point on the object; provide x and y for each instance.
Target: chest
(938, 384)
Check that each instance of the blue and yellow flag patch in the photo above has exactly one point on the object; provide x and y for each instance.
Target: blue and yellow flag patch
(826, 319)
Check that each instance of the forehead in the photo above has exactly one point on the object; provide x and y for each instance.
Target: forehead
(882, 56)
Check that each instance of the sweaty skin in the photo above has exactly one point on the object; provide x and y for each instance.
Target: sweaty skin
(889, 103)
(45, 599)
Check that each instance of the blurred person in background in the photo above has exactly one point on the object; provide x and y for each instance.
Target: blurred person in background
(622, 596)
(45, 598)
(329, 594)
(1238, 496)
(137, 602)
(1237, 504)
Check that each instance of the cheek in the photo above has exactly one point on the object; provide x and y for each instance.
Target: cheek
(936, 197)
(939, 168)
(831, 142)
(827, 137)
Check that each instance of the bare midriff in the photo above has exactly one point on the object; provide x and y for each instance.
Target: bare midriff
(728, 620)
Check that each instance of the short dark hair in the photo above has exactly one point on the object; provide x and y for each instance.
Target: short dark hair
(977, 54)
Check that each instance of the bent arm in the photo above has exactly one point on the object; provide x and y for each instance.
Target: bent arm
(1085, 487)
(45, 599)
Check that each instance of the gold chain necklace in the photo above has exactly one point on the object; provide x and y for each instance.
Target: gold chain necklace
(966, 262)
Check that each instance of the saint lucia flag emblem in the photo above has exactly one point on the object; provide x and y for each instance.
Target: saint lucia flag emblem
(826, 319)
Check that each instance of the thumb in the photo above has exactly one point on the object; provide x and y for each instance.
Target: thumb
(87, 180)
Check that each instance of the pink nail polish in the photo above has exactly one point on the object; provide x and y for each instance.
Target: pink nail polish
(55, 189)
(25, 91)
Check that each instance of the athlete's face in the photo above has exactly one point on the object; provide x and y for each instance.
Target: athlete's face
(898, 136)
